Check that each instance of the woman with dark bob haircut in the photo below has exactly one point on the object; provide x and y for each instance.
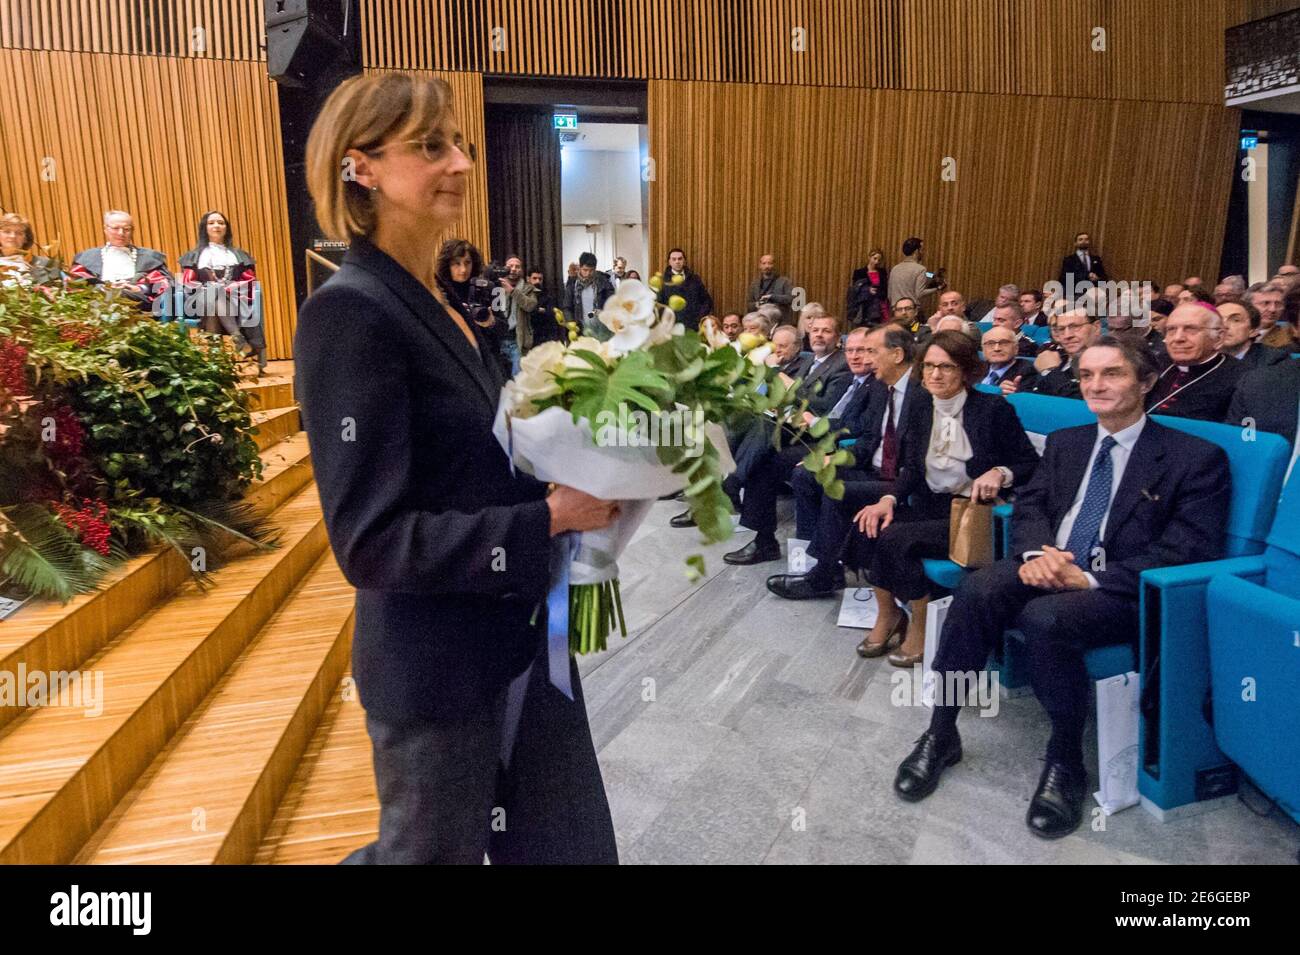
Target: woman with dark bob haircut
(475, 712)
(971, 446)
(218, 280)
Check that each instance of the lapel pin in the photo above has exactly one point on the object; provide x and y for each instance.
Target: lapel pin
(1149, 496)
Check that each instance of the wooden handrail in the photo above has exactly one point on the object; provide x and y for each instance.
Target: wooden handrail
(310, 257)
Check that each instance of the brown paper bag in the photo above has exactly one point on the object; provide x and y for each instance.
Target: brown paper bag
(970, 533)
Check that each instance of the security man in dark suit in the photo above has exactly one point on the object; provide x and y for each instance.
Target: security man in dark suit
(1108, 501)
(1081, 266)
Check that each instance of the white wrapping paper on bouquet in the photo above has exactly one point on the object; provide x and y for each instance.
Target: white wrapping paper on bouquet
(552, 448)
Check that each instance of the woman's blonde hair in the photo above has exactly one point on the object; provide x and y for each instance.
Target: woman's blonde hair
(361, 114)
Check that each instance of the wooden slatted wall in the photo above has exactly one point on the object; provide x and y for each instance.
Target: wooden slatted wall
(209, 29)
(819, 175)
(166, 138)
(1155, 49)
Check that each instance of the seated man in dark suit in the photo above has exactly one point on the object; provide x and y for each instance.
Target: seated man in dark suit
(1240, 326)
(896, 404)
(1109, 501)
(1073, 331)
(785, 352)
(1269, 400)
(1002, 364)
(766, 467)
(1010, 316)
(1199, 381)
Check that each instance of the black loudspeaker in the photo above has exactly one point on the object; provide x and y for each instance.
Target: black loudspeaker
(303, 37)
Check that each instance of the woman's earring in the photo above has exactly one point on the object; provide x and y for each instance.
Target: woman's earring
(374, 188)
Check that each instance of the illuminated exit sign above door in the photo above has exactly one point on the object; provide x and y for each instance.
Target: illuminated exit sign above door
(564, 120)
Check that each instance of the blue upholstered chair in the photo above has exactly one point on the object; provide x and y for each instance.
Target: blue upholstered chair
(1253, 610)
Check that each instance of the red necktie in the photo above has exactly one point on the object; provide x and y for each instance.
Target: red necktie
(889, 443)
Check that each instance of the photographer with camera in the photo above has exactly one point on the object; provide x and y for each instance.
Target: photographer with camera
(460, 274)
(585, 295)
(535, 313)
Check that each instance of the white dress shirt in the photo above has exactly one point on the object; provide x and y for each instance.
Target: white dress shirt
(119, 264)
(900, 392)
(1119, 455)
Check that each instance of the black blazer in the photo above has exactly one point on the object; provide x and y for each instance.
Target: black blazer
(1071, 266)
(1020, 367)
(996, 437)
(449, 553)
(916, 408)
(1270, 397)
(1261, 356)
(852, 416)
(1170, 508)
(1060, 382)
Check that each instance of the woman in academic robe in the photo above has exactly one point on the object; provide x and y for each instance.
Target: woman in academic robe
(473, 704)
(218, 278)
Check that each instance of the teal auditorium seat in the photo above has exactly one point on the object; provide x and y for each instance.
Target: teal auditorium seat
(1253, 608)
(1180, 763)
(1179, 760)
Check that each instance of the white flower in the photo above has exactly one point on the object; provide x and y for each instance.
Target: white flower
(630, 313)
(536, 379)
(587, 343)
(759, 355)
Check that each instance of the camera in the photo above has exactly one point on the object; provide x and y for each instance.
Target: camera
(494, 272)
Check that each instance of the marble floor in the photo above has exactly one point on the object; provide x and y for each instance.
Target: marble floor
(735, 727)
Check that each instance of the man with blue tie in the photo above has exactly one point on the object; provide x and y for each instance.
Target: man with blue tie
(1003, 364)
(1109, 501)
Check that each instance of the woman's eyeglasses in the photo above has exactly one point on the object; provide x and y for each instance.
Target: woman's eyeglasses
(943, 368)
(432, 148)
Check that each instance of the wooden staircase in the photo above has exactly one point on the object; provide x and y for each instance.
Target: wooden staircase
(225, 719)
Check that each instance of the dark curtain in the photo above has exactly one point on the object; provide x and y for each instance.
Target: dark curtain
(523, 168)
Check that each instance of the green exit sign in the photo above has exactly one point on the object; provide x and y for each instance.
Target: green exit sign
(565, 120)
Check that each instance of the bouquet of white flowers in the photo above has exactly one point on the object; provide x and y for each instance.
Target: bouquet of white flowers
(633, 418)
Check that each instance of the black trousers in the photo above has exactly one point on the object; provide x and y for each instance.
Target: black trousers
(446, 797)
(1058, 626)
(832, 526)
(758, 504)
(892, 561)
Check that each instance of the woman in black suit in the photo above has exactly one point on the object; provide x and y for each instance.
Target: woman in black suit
(475, 750)
(972, 445)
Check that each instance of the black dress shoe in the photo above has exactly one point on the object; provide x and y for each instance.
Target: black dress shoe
(798, 587)
(675, 496)
(1057, 807)
(755, 552)
(684, 519)
(918, 775)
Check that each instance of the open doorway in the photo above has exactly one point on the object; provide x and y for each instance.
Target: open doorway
(603, 209)
(564, 161)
